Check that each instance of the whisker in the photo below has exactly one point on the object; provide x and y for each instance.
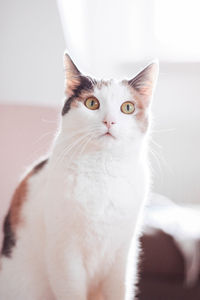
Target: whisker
(78, 132)
(82, 144)
(69, 147)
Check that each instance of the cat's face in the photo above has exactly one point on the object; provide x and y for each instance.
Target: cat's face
(107, 113)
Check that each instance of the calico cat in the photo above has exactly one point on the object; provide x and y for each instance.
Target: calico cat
(75, 216)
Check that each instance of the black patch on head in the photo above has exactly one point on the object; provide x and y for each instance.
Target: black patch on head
(86, 83)
(67, 105)
(9, 237)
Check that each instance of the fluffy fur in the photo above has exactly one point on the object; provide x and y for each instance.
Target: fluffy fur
(81, 210)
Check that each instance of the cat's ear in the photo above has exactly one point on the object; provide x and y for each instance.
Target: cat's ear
(75, 81)
(145, 81)
(72, 75)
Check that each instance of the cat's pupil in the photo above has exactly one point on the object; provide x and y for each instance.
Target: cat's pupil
(92, 102)
(128, 107)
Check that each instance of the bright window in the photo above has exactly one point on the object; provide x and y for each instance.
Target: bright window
(177, 29)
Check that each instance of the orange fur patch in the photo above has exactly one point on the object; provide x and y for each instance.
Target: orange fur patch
(141, 104)
(71, 84)
(20, 195)
(17, 201)
(13, 217)
(83, 96)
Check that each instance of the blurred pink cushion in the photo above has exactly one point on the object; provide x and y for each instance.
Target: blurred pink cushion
(25, 134)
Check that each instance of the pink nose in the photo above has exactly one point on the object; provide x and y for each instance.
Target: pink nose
(108, 124)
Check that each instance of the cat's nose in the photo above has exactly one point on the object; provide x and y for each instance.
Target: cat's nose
(108, 123)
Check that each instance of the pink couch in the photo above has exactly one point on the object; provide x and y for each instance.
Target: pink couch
(25, 134)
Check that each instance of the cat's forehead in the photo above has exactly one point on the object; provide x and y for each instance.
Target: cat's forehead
(112, 90)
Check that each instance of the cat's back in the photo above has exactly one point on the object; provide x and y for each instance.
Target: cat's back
(13, 219)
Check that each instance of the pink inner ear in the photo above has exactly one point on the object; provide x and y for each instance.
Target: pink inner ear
(72, 75)
(71, 84)
(146, 90)
(144, 82)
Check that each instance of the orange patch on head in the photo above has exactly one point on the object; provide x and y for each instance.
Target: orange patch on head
(143, 120)
(71, 84)
(84, 94)
(74, 103)
(141, 107)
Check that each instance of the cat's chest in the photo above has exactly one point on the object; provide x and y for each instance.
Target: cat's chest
(105, 191)
(99, 189)
(97, 195)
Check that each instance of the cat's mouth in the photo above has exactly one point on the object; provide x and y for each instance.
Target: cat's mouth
(108, 134)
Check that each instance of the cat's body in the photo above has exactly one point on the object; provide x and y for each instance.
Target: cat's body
(80, 209)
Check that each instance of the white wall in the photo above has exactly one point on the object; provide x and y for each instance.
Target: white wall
(31, 49)
(177, 110)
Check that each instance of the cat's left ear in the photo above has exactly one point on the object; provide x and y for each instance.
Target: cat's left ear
(72, 75)
(75, 81)
(145, 81)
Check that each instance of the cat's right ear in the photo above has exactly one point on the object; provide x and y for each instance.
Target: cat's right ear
(72, 75)
(145, 81)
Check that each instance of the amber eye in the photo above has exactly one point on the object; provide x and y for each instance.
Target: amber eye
(127, 107)
(92, 103)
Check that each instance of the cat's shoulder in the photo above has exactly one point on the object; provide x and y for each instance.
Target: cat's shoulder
(12, 219)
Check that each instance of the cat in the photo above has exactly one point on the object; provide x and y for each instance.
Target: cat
(75, 216)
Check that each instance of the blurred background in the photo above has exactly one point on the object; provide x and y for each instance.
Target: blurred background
(105, 39)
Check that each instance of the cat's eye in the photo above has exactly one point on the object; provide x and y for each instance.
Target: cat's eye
(127, 107)
(92, 103)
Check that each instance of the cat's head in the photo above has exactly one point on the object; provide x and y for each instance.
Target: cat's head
(107, 113)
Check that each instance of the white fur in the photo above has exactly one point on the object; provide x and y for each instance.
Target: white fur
(82, 209)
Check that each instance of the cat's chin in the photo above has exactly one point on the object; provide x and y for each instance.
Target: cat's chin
(107, 141)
